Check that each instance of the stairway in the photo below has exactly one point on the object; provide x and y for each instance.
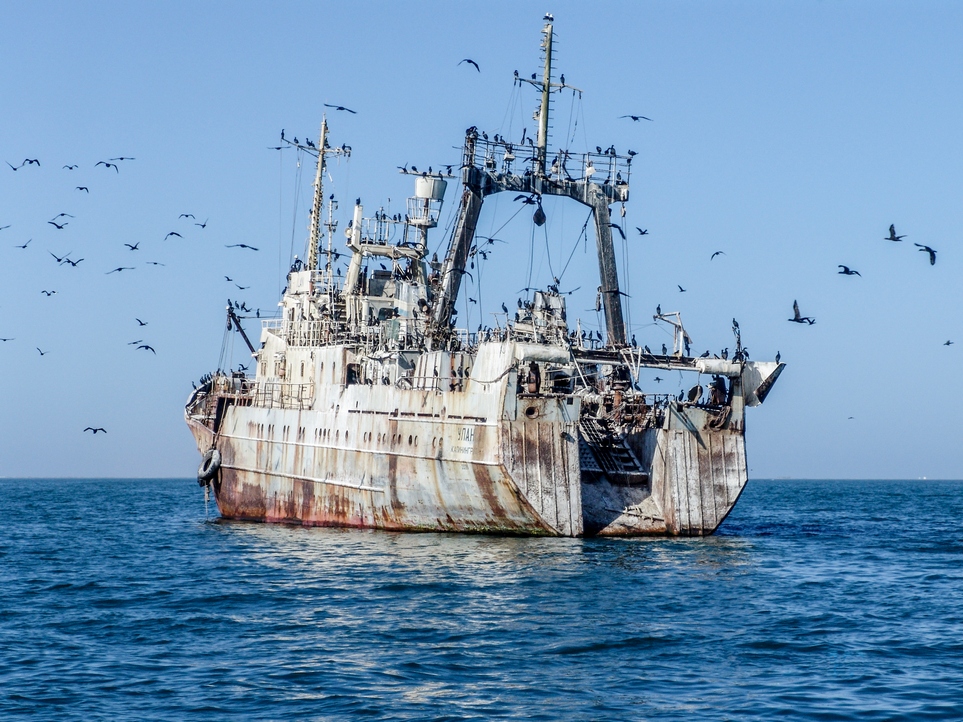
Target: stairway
(603, 453)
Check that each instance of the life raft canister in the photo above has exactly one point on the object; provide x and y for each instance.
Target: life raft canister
(210, 463)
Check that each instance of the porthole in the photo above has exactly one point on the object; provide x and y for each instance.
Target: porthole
(531, 412)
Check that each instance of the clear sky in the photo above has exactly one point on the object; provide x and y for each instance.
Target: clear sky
(788, 135)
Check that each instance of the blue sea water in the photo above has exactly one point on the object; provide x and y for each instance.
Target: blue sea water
(824, 600)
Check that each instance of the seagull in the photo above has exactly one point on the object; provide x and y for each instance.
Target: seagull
(187, 215)
(800, 319)
(83, 188)
(470, 62)
(48, 294)
(929, 250)
(204, 224)
(717, 253)
(122, 158)
(42, 353)
(62, 215)
(120, 268)
(24, 245)
(107, 165)
(58, 226)
(681, 290)
(147, 348)
(642, 232)
(133, 247)
(892, 234)
(173, 233)
(140, 323)
(847, 271)
(71, 167)
(241, 245)
(636, 118)
(96, 430)
(340, 107)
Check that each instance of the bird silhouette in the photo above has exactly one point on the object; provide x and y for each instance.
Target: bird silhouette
(83, 188)
(24, 245)
(929, 250)
(847, 271)
(642, 232)
(96, 430)
(681, 290)
(800, 319)
(7, 339)
(62, 215)
(48, 294)
(241, 245)
(636, 118)
(42, 353)
(187, 215)
(59, 259)
(147, 348)
(72, 263)
(470, 62)
(617, 227)
(948, 343)
(133, 247)
(717, 253)
(155, 263)
(140, 323)
(122, 158)
(336, 107)
(242, 288)
(107, 165)
(204, 224)
(173, 233)
(120, 268)
(59, 226)
(71, 167)
(892, 234)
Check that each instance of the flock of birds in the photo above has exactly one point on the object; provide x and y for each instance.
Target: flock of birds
(60, 223)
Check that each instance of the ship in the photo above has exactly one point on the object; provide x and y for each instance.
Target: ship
(369, 407)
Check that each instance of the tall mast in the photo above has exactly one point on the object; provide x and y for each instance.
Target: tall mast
(314, 237)
(543, 112)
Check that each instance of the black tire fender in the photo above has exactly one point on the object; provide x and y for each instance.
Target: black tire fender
(210, 464)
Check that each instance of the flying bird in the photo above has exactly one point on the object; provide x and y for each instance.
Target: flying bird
(847, 271)
(892, 234)
(243, 288)
(140, 323)
(7, 339)
(133, 247)
(58, 226)
(800, 319)
(123, 158)
(228, 279)
(107, 165)
(617, 227)
(241, 245)
(717, 253)
(72, 262)
(147, 348)
(24, 245)
(173, 233)
(681, 290)
(948, 343)
(3, 227)
(42, 353)
(636, 118)
(929, 250)
(59, 259)
(155, 263)
(339, 107)
(470, 62)
(187, 215)
(48, 294)
(71, 167)
(204, 224)
(642, 232)
(96, 430)
(120, 268)
(83, 188)
(62, 215)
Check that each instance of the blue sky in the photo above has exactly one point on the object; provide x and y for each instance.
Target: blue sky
(789, 135)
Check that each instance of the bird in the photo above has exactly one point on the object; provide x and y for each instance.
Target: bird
(83, 188)
(58, 226)
(658, 309)
(658, 380)
(929, 250)
(892, 234)
(204, 224)
(735, 325)
(155, 263)
(62, 215)
(147, 348)
(71, 167)
(3, 227)
(847, 271)
(134, 343)
(800, 319)
(636, 118)
(24, 245)
(72, 262)
(187, 215)
(120, 268)
(948, 343)
(96, 430)
(241, 245)
(717, 253)
(122, 158)
(642, 232)
(228, 279)
(339, 107)
(470, 62)
(243, 288)
(504, 308)
(173, 233)
(778, 356)
(42, 353)
(59, 259)
(617, 227)
(139, 322)
(7, 339)
(133, 247)
(48, 294)
(681, 290)
(107, 165)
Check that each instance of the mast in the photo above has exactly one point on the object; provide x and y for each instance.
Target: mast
(543, 112)
(314, 235)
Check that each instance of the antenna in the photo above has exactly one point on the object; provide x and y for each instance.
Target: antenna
(545, 108)
(314, 235)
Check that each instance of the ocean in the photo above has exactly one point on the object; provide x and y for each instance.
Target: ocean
(816, 600)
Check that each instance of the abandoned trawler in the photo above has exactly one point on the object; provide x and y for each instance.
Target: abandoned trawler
(369, 408)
